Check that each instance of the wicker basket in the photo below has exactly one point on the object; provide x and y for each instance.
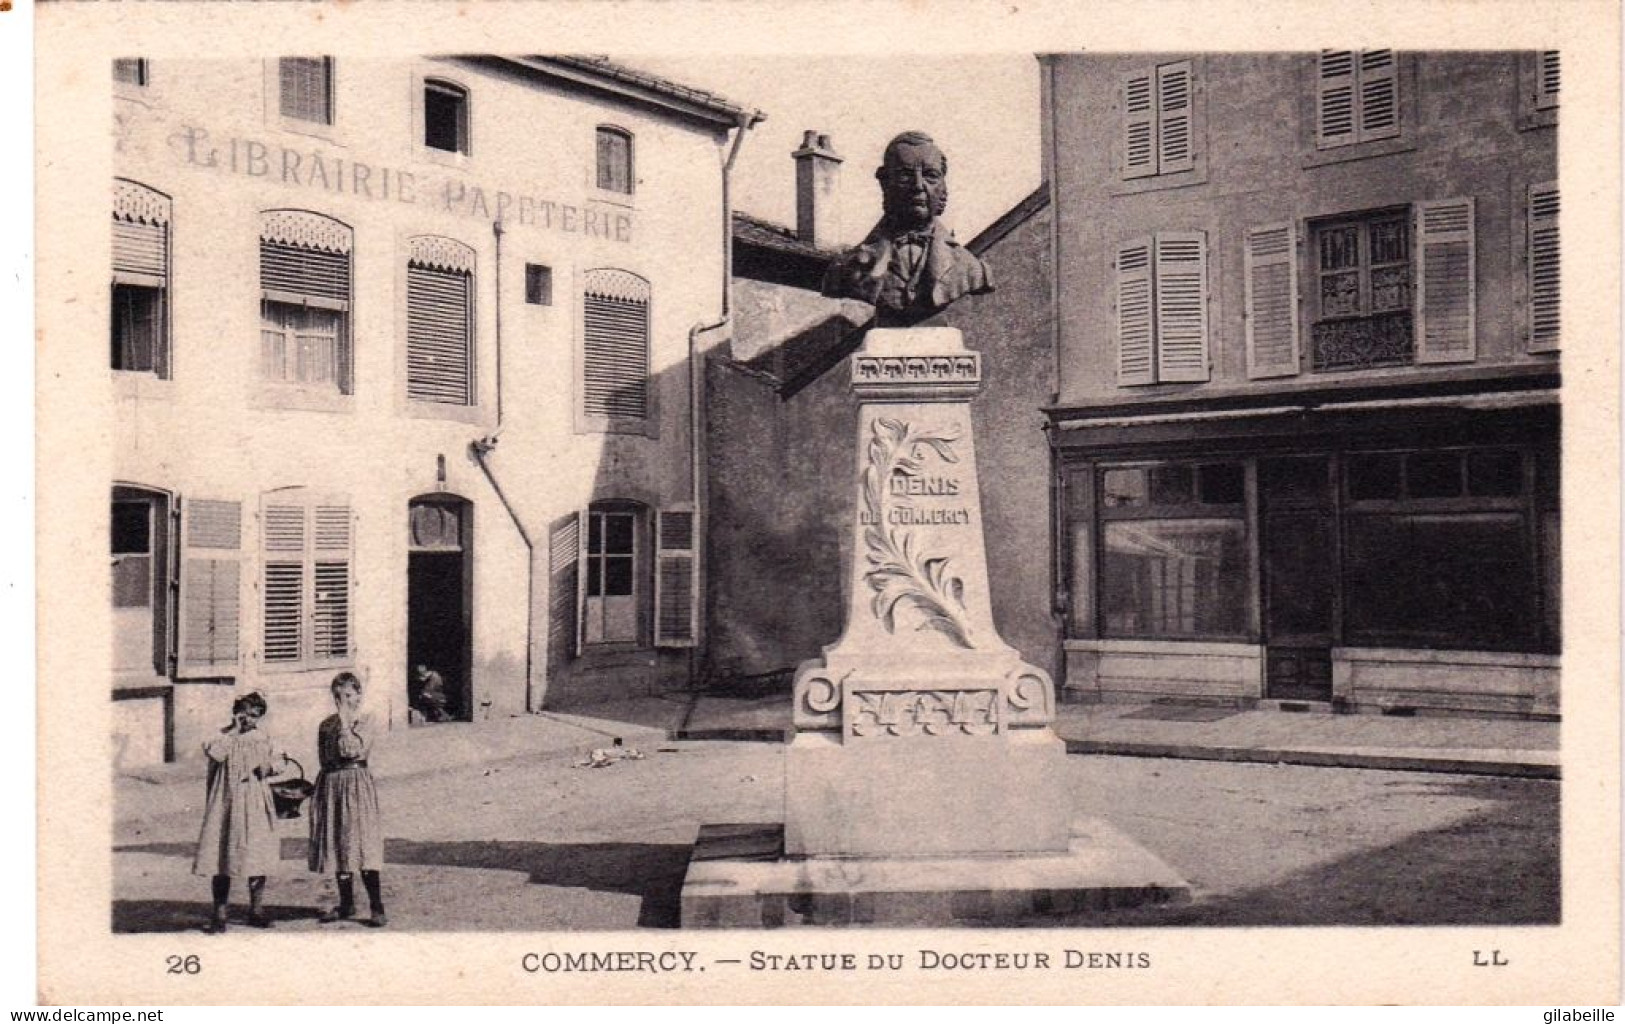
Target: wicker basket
(289, 794)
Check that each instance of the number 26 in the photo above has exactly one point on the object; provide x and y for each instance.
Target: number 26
(184, 964)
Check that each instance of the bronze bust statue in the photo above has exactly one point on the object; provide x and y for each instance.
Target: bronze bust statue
(909, 267)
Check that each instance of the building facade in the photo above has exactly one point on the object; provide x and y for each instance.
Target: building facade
(1305, 431)
(401, 364)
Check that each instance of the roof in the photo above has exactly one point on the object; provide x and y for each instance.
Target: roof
(630, 83)
(1011, 219)
(766, 251)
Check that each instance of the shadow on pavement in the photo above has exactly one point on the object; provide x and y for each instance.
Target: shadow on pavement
(1485, 869)
(148, 916)
(652, 871)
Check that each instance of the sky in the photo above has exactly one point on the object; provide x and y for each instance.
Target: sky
(982, 110)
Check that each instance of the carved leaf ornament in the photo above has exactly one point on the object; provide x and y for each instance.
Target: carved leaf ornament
(900, 574)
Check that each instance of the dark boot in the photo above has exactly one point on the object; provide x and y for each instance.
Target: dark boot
(256, 908)
(220, 886)
(375, 898)
(346, 908)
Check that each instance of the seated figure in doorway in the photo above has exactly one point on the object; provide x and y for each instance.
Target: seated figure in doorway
(430, 694)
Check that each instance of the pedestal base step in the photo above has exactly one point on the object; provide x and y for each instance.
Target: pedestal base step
(739, 877)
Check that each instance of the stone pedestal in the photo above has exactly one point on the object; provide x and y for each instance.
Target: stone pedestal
(920, 734)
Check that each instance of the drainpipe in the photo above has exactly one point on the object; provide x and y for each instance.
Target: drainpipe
(696, 391)
(481, 450)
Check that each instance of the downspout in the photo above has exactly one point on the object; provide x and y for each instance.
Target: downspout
(696, 392)
(482, 448)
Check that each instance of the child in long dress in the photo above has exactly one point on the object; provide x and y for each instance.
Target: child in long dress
(346, 832)
(239, 839)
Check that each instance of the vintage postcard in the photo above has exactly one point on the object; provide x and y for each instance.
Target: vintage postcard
(897, 503)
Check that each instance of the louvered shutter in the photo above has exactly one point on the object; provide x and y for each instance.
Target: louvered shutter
(140, 253)
(304, 277)
(283, 536)
(1379, 94)
(1175, 146)
(1270, 262)
(582, 535)
(563, 570)
(675, 579)
(615, 357)
(1445, 287)
(1545, 293)
(1334, 98)
(1181, 306)
(332, 585)
(210, 598)
(305, 88)
(1139, 125)
(1135, 343)
(438, 353)
(1548, 79)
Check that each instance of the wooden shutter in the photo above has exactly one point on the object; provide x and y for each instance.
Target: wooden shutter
(1270, 260)
(1335, 84)
(1545, 293)
(1379, 94)
(1139, 125)
(675, 580)
(1181, 306)
(283, 537)
(615, 356)
(1135, 342)
(140, 253)
(563, 571)
(306, 88)
(1445, 287)
(438, 350)
(300, 276)
(210, 599)
(331, 578)
(1175, 146)
(1548, 79)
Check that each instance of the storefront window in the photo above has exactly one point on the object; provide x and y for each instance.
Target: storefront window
(1173, 542)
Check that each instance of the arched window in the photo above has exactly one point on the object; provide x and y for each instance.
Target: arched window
(305, 300)
(439, 321)
(615, 160)
(140, 328)
(445, 116)
(615, 349)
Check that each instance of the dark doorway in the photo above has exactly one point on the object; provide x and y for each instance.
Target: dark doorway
(439, 623)
(1300, 576)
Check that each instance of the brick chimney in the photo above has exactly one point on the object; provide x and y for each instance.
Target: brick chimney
(818, 174)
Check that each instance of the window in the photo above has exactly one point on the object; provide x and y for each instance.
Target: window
(1162, 320)
(1174, 560)
(538, 284)
(445, 116)
(1158, 120)
(439, 321)
(1440, 549)
(1393, 287)
(1544, 258)
(615, 347)
(1548, 79)
(140, 549)
(306, 586)
(1356, 97)
(131, 71)
(140, 301)
(611, 578)
(615, 160)
(305, 89)
(305, 300)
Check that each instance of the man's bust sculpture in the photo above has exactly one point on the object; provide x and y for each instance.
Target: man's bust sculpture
(909, 267)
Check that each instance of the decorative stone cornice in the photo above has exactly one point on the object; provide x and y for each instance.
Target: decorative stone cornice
(923, 378)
